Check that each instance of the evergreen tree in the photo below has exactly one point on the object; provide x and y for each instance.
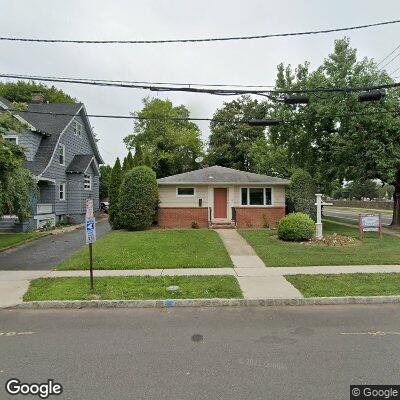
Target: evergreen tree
(113, 193)
(138, 158)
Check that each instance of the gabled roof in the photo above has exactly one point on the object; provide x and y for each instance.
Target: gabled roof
(51, 126)
(80, 163)
(221, 175)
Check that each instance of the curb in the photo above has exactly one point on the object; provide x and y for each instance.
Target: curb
(168, 303)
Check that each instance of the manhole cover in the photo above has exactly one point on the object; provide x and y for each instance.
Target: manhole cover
(172, 288)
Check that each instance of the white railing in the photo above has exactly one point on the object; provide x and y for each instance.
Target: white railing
(44, 209)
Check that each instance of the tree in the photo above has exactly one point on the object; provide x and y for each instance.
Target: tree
(21, 92)
(301, 194)
(128, 163)
(268, 159)
(138, 198)
(359, 189)
(138, 158)
(113, 194)
(166, 137)
(231, 136)
(335, 137)
(105, 174)
(17, 185)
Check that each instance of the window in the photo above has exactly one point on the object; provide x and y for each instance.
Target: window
(61, 192)
(78, 128)
(185, 191)
(256, 196)
(87, 182)
(62, 154)
(12, 139)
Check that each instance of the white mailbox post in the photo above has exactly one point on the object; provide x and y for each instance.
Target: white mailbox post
(319, 205)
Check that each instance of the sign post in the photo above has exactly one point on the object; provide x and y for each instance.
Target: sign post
(370, 223)
(90, 235)
(318, 225)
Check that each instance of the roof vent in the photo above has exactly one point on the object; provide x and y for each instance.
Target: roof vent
(210, 177)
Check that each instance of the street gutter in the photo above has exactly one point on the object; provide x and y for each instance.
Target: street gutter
(170, 303)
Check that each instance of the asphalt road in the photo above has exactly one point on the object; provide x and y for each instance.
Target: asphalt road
(45, 253)
(231, 353)
(351, 215)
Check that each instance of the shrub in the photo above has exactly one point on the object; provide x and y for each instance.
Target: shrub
(301, 194)
(295, 227)
(138, 199)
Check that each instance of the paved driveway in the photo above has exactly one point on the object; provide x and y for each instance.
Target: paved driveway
(47, 252)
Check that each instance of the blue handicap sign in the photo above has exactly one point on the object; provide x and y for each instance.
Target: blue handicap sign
(90, 230)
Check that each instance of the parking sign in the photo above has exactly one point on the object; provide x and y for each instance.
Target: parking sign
(90, 230)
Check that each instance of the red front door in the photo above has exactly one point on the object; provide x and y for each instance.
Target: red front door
(220, 202)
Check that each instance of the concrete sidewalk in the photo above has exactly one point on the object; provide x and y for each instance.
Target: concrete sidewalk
(252, 274)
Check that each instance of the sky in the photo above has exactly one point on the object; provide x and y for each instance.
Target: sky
(251, 62)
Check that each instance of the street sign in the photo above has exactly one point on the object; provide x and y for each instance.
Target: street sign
(90, 224)
(370, 223)
(90, 230)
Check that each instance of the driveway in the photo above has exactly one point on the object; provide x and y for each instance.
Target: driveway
(47, 252)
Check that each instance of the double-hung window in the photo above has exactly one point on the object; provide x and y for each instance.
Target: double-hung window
(78, 128)
(87, 182)
(256, 196)
(61, 192)
(62, 154)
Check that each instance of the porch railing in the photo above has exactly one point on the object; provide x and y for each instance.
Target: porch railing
(44, 208)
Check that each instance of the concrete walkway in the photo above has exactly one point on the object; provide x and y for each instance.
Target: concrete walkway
(252, 274)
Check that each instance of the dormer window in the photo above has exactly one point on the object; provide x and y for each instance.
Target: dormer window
(78, 129)
(62, 154)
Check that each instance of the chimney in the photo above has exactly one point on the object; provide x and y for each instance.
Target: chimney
(38, 97)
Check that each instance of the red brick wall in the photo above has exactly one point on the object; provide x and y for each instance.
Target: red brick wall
(252, 217)
(182, 217)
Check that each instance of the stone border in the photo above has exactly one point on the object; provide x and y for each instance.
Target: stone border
(169, 303)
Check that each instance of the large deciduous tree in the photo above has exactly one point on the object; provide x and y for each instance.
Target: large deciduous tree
(335, 137)
(22, 91)
(169, 141)
(231, 136)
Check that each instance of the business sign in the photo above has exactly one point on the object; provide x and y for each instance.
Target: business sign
(90, 230)
(370, 223)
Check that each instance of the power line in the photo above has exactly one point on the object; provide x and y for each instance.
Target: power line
(385, 58)
(158, 118)
(193, 40)
(152, 87)
(141, 82)
(391, 60)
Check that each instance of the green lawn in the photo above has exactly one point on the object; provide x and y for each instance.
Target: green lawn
(277, 253)
(190, 248)
(134, 288)
(382, 284)
(343, 220)
(13, 239)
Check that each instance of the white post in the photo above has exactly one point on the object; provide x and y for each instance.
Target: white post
(318, 225)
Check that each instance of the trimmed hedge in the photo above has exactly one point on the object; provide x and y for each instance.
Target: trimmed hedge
(113, 194)
(138, 199)
(296, 227)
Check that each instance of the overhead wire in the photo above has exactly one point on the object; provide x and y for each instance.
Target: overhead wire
(197, 40)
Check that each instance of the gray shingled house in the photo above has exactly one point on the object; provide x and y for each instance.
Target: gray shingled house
(62, 154)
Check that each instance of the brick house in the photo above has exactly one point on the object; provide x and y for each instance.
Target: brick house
(221, 197)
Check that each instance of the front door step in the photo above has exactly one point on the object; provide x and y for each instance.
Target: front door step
(222, 225)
